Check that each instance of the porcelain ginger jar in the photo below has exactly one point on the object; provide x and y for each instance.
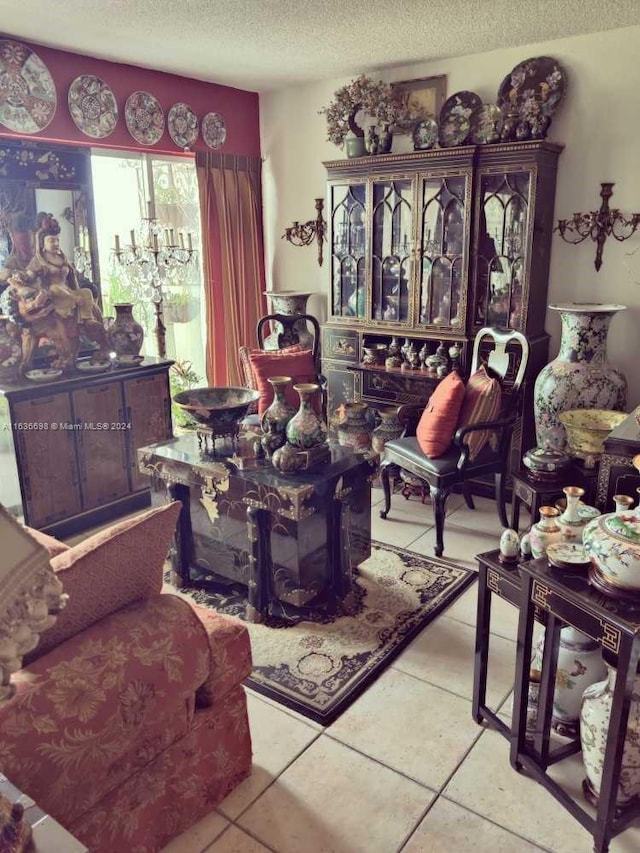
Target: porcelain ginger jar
(612, 542)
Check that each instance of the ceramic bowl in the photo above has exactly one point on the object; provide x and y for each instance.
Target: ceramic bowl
(586, 431)
(221, 409)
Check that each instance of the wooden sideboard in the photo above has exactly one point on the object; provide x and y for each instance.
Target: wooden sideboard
(68, 447)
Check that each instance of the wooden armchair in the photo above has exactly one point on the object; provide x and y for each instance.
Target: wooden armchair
(456, 467)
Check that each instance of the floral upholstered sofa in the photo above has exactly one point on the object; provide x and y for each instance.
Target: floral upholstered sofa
(130, 720)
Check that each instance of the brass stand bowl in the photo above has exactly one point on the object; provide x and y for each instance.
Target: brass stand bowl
(220, 409)
(586, 431)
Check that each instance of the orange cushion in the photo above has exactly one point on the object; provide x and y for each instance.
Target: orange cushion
(298, 365)
(110, 569)
(247, 370)
(482, 402)
(440, 417)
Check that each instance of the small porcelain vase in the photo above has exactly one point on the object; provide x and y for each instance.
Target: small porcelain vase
(545, 532)
(579, 665)
(125, 333)
(623, 503)
(575, 515)
(275, 419)
(356, 427)
(394, 347)
(306, 429)
(594, 727)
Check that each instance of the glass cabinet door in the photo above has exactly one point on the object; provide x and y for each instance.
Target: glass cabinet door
(348, 250)
(501, 246)
(391, 246)
(443, 251)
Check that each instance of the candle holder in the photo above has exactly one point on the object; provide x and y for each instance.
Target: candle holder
(304, 233)
(599, 224)
(152, 260)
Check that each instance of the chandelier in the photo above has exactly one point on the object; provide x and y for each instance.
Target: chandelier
(157, 256)
(82, 254)
(599, 224)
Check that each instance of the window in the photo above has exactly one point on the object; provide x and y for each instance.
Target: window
(126, 186)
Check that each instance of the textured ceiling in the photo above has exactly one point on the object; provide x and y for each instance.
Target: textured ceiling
(266, 44)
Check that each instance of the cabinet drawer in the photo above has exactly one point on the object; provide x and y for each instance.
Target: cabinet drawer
(340, 345)
(386, 387)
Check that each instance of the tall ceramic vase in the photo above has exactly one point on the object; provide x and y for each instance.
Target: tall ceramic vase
(275, 419)
(306, 429)
(289, 303)
(580, 377)
(125, 333)
(580, 664)
(594, 727)
(356, 427)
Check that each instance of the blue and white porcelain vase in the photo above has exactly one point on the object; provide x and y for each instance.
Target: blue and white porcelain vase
(580, 377)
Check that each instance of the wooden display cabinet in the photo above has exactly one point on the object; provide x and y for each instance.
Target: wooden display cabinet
(432, 246)
(63, 470)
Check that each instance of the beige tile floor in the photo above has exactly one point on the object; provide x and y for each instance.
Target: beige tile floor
(405, 767)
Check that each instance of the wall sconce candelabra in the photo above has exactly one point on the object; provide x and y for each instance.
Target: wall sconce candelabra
(599, 224)
(304, 233)
(152, 260)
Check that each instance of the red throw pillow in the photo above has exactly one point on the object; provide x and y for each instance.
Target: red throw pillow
(298, 365)
(482, 402)
(440, 417)
(247, 370)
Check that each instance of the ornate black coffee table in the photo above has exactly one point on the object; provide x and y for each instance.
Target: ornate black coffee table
(289, 537)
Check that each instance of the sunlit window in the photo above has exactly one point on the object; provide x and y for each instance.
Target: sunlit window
(123, 184)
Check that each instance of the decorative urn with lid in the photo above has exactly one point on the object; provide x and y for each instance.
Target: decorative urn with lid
(612, 542)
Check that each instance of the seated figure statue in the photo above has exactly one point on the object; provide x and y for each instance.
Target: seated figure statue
(56, 275)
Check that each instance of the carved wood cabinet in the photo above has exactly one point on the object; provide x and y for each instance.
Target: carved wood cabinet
(68, 448)
(432, 246)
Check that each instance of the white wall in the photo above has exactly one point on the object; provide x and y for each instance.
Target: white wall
(599, 124)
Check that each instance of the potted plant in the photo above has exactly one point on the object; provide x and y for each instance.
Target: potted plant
(374, 98)
(182, 377)
(179, 306)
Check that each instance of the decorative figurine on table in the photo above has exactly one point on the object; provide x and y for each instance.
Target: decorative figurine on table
(46, 302)
(509, 547)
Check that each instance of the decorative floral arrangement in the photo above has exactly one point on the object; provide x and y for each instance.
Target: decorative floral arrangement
(362, 95)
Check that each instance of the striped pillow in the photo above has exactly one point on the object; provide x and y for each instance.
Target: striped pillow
(482, 402)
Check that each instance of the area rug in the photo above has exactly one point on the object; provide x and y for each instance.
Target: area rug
(318, 664)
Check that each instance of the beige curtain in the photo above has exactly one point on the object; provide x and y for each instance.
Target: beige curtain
(233, 260)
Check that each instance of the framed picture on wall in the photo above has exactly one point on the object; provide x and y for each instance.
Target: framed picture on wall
(425, 98)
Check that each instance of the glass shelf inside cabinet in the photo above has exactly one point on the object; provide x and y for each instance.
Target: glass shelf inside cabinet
(391, 251)
(502, 241)
(442, 250)
(348, 250)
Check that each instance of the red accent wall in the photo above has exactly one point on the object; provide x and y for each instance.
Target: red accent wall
(238, 107)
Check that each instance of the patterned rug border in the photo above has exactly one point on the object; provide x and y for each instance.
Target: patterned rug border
(334, 710)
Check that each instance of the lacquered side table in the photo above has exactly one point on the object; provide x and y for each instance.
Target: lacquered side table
(568, 598)
(494, 578)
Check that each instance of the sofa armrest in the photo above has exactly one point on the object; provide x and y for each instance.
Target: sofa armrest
(100, 706)
(230, 651)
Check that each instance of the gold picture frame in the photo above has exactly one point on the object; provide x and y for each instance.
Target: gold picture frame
(426, 96)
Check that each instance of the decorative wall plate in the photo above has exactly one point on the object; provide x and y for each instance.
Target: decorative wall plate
(535, 85)
(214, 130)
(182, 124)
(27, 91)
(144, 117)
(93, 106)
(425, 134)
(486, 125)
(455, 118)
